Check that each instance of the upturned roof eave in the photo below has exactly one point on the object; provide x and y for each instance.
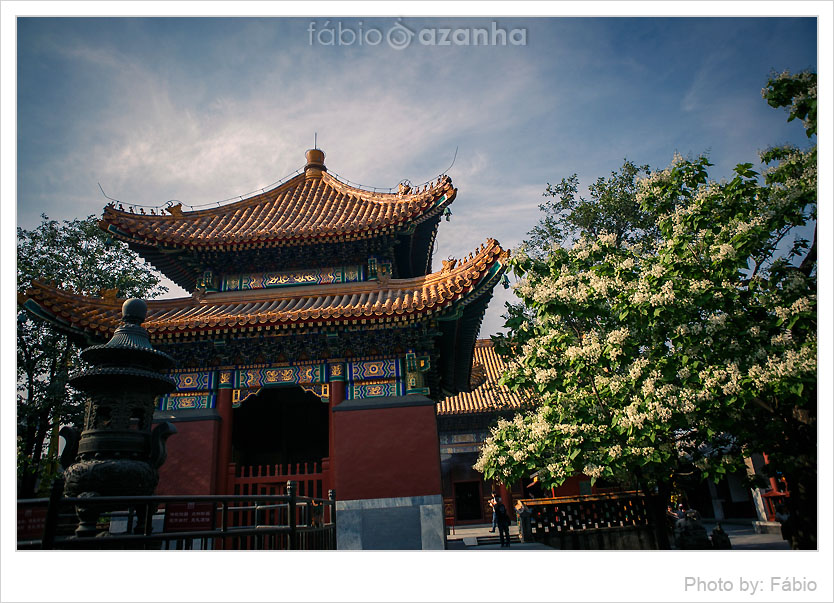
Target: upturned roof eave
(126, 225)
(89, 314)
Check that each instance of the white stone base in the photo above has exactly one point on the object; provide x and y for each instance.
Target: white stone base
(405, 523)
(767, 527)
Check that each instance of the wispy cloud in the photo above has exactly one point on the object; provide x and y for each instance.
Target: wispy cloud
(205, 110)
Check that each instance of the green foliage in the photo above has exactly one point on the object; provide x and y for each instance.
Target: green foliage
(76, 255)
(680, 348)
(798, 93)
(612, 208)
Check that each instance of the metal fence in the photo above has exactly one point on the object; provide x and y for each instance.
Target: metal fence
(602, 521)
(210, 522)
(311, 479)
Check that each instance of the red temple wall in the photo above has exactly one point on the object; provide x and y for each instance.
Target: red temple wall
(386, 453)
(191, 464)
(571, 486)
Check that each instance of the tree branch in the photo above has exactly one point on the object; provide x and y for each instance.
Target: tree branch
(810, 260)
(758, 401)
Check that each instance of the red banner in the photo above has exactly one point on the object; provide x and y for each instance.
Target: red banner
(189, 517)
(31, 522)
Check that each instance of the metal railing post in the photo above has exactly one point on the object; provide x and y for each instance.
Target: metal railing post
(292, 519)
(224, 542)
(331, 494)
(51, 525)
(259, 521)
(150, 509)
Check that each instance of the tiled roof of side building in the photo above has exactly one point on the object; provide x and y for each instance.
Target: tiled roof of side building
(487, 394)
(311, 207)
(368, 302)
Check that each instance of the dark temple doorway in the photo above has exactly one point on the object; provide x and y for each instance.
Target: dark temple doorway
(468, 501)
(280, 425)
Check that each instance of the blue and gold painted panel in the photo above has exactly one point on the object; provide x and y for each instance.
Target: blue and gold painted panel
(194, 381)
(336, 371)
(313, 276)
(186, 401)
(374, 369)
(375, 389)
(259, 377)
(364, 378)
(322, 390)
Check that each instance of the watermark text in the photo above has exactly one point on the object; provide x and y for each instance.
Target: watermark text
(782, 584)
(400, 36)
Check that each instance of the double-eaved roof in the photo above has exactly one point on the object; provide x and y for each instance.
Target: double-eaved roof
(312, 254)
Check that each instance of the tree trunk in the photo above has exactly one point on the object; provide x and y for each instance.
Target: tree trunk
(801, 475)
(657, 507)
(802, 506)
(40, 437)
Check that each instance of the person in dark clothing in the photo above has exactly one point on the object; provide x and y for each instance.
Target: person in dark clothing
(502, 519)
(690, 534)
(492, 502)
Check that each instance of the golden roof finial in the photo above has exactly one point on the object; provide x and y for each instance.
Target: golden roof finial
(315, 163)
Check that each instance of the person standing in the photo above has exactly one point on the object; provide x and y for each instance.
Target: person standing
(502, 519)
(492, 503)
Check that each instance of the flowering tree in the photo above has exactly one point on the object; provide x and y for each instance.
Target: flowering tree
(676, 353)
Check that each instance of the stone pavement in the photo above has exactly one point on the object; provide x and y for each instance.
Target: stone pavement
(467, 538)
(744, 538)
(478, 538)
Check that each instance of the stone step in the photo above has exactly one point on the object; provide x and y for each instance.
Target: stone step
(483, 540)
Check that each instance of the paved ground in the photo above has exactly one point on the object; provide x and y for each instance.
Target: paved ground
(743, 537)
(466, 538)
(741, 533)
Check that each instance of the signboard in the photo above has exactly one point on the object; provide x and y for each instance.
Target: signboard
(189, 516)
(31, 522)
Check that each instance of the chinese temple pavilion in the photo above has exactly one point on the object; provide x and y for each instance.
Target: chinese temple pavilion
(314, 346)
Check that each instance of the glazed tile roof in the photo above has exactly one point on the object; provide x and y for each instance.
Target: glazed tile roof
(369, 302)
(311, 207)
(487, 394)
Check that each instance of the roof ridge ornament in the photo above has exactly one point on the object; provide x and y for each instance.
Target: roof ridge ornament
(448, 265)
(174, 210)
(315, 163)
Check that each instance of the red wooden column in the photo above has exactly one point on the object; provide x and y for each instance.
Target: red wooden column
(774, 485)
(224, 447)
(336, 380)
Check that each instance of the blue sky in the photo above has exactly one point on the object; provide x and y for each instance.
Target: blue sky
(204, 109)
